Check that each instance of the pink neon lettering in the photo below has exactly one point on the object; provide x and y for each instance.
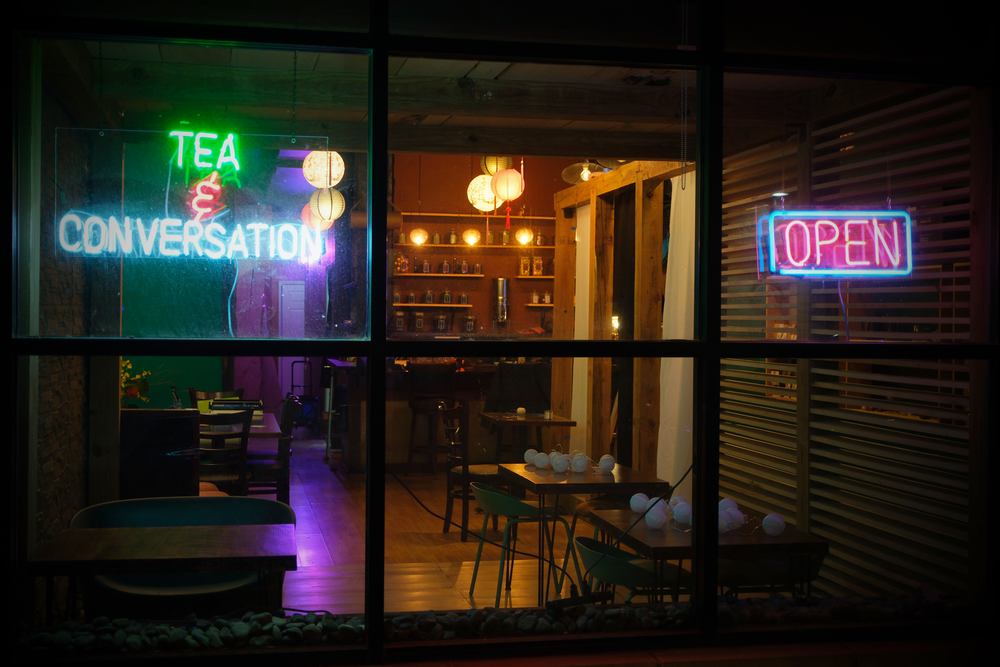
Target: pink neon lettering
(822, 242)
(788, 242)
(202, 196)
(848, 243)
(880, 241)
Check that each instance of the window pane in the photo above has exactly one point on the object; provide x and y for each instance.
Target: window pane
(216, 197)
(872, 239)
(453, 424)
(503, 228)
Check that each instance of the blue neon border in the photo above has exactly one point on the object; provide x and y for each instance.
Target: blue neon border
(839, 273)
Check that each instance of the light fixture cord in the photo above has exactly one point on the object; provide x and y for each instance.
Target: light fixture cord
(100, 85)
(295, 88)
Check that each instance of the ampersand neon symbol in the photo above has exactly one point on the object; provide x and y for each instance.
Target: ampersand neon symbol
(204, 201)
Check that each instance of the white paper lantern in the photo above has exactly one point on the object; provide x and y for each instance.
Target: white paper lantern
(725, 522)
(677, 500)
(542, 461)
(491, 164)
(323, 169)
(579, 464)
(737, 518)
(773, 524)
(327, 204)
(657, 501)
(480, 195)
(529, 456)
(507, 184)
(560, 462)
(607, 464)
(638, 502)
(656, 518)
(682, 513)
(728, 504)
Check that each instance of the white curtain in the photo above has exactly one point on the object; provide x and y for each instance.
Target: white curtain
(578, 434)
(677, 375)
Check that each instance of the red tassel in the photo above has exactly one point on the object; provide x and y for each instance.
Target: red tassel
(508, 215)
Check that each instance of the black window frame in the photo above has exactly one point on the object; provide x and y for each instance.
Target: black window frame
(710, 61)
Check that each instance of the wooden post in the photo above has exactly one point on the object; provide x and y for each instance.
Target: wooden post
(648, 321)
(602, 252)
(563, 314)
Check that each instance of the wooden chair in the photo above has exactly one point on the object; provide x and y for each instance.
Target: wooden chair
(430, 384)
(198, 395)
(226, 466)
(266, 476)
(461, 472)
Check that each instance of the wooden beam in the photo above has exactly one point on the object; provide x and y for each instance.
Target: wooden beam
(598, 407)
(464, 140)
(602, 257)
(623, 176)
(648, 306)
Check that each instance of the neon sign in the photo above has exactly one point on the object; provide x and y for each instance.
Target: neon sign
(205, 201)
(227, 152)
(835, 244)
(93, 236)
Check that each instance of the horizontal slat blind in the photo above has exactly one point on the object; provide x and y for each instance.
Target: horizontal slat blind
(889, 484)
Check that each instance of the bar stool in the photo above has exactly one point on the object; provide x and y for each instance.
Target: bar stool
(430, 384)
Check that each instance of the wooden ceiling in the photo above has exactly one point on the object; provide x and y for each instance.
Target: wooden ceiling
(435, 105)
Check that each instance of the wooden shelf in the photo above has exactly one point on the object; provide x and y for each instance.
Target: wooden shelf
(473, 247)
(540, 305)
(438, 275)
(431, 305)
(534, 277)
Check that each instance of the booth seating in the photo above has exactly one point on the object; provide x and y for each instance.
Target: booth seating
(173, 595)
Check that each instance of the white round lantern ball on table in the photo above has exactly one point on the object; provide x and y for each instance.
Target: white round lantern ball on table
(682, 513)
(542, 461)
(638, 502)
(725, 522)
(677, 500)
(529, 456)
(728, 504)
(656, 518)
(521, 412)
(773, 524)
(657, 502)
(560, 462)
(736, 517)
(579, 463)
(607, 464)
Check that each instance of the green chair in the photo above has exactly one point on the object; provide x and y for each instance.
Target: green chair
(620, 568)
(517, 511)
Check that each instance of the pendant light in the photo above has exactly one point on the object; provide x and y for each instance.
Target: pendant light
(323, 169)
(327, 204)
(507, 185)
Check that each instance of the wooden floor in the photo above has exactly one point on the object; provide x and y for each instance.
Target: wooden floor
(425, 568)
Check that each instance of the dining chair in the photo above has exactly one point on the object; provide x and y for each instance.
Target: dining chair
(461, 472)
(266, 476)
(516, 511)
(199, 395)
(429, 385)
(614, 567)
(226, 466)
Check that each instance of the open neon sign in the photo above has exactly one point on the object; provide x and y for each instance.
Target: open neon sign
(836, 244)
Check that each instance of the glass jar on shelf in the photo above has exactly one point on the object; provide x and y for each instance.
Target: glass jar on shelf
(534, 297)
(445, 266)
(396, 296)
(547, 298)
(446, 296)
(463, 298)
(436, 239)
(464, 266)
(477, 269)
(537, 265)
(452, 237)
(505, 237)
(426, 265)
(525, 266)
(412, 298)
(429, 296)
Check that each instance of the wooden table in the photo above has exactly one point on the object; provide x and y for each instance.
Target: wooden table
(267, 428)
(152, 550)
(622, 480)
(521, 426)
(673, 541)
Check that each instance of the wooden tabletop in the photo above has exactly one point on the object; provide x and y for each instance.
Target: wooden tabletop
(268, 428)
(673, 542)
(139, 550)
(621, 480)
(530, 419)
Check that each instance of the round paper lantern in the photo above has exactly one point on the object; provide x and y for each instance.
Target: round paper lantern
(312, 222)
(656, 518)
(419, 236)
(737, 518)
(524, 236)
(507, 184)
(491, 164)
(728, 504)
(607, 464)
(327, 204)
(579, 464)
(323, 169)
(560, 462)
(656, 501)
(725, 523)
(480, 195)
(677, 500)
(638, 502)
(682, 513)
(471, 236)
(773, 524)
(542, 461)
(529, 456)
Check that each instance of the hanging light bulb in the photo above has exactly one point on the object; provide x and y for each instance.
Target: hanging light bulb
(480, 195)
(323, 169)
(524, 236)
(471, 236)
(585, 173)
(327, 204)
(418, 236)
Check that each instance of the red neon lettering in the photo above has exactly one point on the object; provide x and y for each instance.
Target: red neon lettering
(203, 201)
(848, 243)
(880, 240)
(822, 242)
(788, 242)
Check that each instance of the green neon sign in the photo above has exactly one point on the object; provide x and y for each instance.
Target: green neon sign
(204, 149)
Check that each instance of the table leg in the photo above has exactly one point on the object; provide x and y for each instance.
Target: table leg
(551, 545)
(541, 549)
